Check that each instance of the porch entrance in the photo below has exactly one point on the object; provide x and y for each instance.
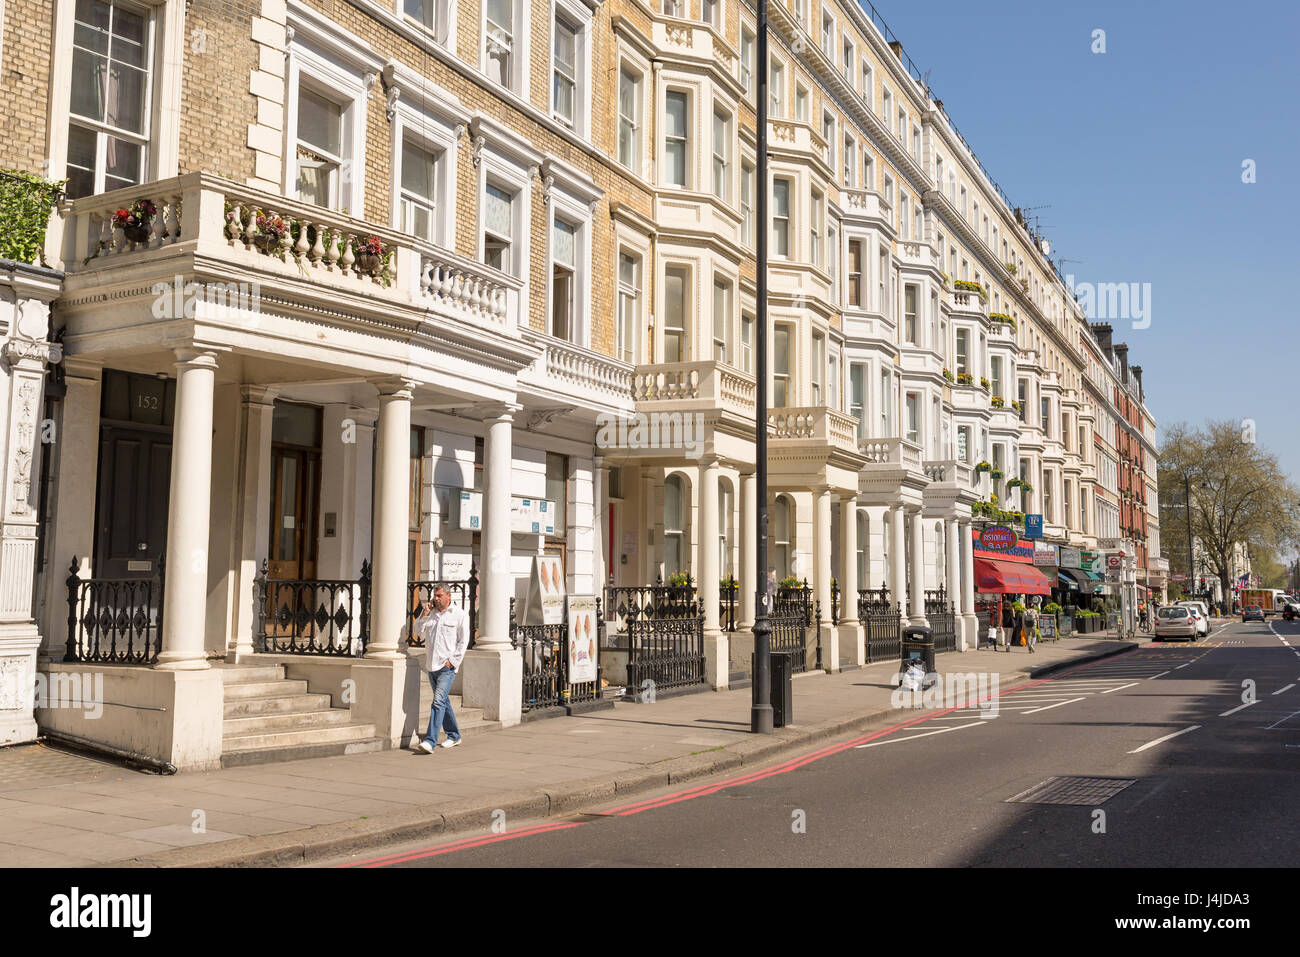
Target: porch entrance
(134, 485)
(295, 491)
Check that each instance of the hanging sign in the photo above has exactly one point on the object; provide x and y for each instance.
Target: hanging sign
(998, 538)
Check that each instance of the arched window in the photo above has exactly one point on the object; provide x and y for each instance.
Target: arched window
(674, 510)
(782, 526)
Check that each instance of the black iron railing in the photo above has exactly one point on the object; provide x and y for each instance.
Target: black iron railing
(727, 593)
(835, 602)
(463, 593)
(882, 624)
(943, 622)
(794, 611)
(666, 651)
(544, 651)
(115, 620)
(652, 602)
(313, 616)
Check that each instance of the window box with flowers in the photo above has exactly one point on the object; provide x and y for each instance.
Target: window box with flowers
(271, 232)
(1011, 268)
(995, 474)
(965, 378)
(371, 256)
(1015, 404)
(948, 375)
(1003, 318)
(984, 383)
(965, 285)
(136, 220)
(997, 402)
(983, 467)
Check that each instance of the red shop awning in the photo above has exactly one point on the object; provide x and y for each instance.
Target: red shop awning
(993, 577)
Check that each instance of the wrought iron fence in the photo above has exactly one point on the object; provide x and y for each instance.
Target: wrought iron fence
(463, 593)
(882, 623)
(668, 651)
(313, 616)
(939, 613)
(546, 663)
(794, 611)
(652, 602)
(115, 620)
(835, 602)
(727, 592)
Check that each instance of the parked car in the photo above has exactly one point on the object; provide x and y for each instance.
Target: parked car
(1252, 613)
(1202, 615)
(1176, 621)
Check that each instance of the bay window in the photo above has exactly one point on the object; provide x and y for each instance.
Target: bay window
(676, 138)
(781, 218)
(782, 386)
(676, 327)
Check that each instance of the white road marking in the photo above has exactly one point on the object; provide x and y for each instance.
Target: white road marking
(910, 737)
(1051, 706)
(1152, 744)
(1161, 675)
(1287, 688)
(1122, 687)
(1287, 718)
(1238, 708)
(1183, 666)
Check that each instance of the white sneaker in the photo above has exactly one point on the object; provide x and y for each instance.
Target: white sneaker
(426, 747)
(451, 742)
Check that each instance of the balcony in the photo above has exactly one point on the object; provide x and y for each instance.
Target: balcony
(968, 302)
(951, 472)
(576, 376)
(796, 136)
(315, 256)
(892, 451)
(865, 205)
(693, 386)
(817, 424)
(918, 255)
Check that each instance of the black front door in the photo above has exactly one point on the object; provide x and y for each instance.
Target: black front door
(135, 457)
(134, 485)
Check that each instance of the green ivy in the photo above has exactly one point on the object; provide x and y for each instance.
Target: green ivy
(25, 204)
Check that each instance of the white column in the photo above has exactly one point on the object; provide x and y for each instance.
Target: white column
(716, 651)
(257, 406)
(953, 552)
(185, 598)
(918, 570)
(898, 559)
(851, 634)
(388, 593)
(600, 526)
(968, 582)
(748, 550)
(826, 631)
(493, 671)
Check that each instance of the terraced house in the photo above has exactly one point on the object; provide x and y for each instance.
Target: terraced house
(359, 295)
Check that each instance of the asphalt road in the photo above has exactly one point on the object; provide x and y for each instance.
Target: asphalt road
(1208, 734)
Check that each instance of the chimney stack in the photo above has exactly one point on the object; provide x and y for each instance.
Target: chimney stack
(897, 47)
(1102, 332)
(1121, 350)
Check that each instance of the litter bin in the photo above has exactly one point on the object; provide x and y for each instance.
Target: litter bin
(918, 645)
(782, 687)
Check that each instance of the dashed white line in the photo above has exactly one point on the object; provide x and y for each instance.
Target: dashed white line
(1238, 708)
(910, 737)
(1183, 666)
(1161, 675)
(1287, 688)
(1287, 718)
(1152, 744)
(1051, 706)
(1121, 687)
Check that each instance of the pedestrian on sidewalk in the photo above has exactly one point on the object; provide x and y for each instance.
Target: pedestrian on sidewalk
(1031, 625)
(445, 629)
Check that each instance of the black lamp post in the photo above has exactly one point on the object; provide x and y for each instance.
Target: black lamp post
(760, 717)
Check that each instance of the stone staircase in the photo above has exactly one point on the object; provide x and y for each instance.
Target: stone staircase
(270, 717)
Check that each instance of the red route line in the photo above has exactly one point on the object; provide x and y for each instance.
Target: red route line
(460, 845)
(637, 807)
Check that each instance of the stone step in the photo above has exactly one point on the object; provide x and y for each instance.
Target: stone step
(261, 723)
(299, 736)
(265, 689)
(242, 757)
(243, 674)
(276, 704)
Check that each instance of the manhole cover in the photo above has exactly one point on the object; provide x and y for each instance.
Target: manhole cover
(1072, 790)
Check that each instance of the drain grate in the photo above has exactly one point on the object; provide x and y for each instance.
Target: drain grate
(1072, 790)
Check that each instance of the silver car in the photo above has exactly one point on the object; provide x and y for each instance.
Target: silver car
(1176, 621)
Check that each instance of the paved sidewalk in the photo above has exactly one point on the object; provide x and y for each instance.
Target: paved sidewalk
(56, 810)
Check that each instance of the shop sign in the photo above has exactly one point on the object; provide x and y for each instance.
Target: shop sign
(1045, 555)
(1069, 557)
(998, 538)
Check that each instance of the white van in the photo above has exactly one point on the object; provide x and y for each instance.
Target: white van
(1203, 621)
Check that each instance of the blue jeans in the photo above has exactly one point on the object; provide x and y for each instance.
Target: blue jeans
(442, 716)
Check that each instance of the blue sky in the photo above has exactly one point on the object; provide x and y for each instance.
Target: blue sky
(1139, 153)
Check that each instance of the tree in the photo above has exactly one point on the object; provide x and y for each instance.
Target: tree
(1238, 494)
(1271, 572)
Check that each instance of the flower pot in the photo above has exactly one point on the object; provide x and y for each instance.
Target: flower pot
(138, 233)
(267, 243)
(368, 263)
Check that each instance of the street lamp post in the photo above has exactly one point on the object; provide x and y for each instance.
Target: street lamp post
(760, 717)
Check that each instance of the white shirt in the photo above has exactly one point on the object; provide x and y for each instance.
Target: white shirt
(446, 636)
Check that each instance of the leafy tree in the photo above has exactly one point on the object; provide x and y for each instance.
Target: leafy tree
(1238, 494)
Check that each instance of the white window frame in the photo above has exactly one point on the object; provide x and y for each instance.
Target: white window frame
(721, 182)
(517, 79)
(686, 349)
(577, 15)
(686, 138)
(788, 219)
(571, 197)
(445, 16)
(748, 175)
(629, 309)
(629, 69)
(429, 117)
(508, 162)
(721, 326)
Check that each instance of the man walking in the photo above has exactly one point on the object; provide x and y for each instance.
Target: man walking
(1031, 625)
(445, 629)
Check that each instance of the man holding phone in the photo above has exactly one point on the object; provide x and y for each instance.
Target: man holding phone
(445, 630)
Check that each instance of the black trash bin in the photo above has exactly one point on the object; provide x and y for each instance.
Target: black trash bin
(781, 687)
(918, 645)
